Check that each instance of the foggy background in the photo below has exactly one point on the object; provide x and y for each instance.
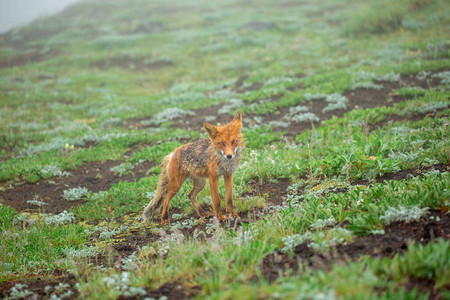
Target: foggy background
(15, 13)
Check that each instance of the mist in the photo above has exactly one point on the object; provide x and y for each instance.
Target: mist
(16, 13)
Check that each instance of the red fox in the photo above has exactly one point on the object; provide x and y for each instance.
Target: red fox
(211, 158)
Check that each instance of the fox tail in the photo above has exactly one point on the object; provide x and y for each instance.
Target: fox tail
(155, 205)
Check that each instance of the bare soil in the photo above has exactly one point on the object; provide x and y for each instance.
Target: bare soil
(396, 239)
(95, 176)
(34, 55)
(398, 236)
(133, 63)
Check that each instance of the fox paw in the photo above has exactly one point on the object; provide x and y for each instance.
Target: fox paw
(232, 215)
(221, 218)
(165, 221)
(204, 213)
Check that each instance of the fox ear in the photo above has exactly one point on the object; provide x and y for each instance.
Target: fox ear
(238, 117)
(237, 121)
(210, 130)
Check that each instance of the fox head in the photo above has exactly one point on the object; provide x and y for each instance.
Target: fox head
(228, 139)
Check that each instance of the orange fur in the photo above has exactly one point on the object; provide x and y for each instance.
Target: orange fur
(211, 158)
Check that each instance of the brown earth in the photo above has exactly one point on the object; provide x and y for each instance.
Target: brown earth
(396, 239)
(43, 285)
(407, 174)
(95, 176)
(35, 55)
(133, 63)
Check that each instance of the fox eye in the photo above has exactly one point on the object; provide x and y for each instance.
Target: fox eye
(234, 142)
(221, 143)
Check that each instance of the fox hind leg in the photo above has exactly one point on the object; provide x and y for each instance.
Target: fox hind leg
(198, 184)
(174, 186)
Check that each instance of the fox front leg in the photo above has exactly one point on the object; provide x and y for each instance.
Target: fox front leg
(228, 179)
(214, 185)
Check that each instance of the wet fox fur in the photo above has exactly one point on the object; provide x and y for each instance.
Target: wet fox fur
(219, 155)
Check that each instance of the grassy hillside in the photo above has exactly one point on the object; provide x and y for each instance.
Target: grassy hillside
(343, 191)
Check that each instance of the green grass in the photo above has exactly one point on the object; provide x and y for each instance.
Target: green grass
(101, 74)
(31, 244)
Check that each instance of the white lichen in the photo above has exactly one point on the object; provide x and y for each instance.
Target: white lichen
(60, 219)
(75, 193)
(306, 117)
(52, 170)
(403, 214)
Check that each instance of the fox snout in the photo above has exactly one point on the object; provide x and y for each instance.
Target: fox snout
(228, 154)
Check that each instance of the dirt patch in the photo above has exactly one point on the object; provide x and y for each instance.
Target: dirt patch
(396, 239)
(43, 286)
(258, 26)
(173, 290)
(133, 63)
(30, 57)
(95, 176)
(274, 192)
(410, 173)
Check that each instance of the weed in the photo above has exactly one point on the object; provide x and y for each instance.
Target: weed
(405, 214)
(19, 291)
(83, 252)
(60, 219)
(121, 284)
(308, 117)
(52, 170)
(336, 101)
(169, 115)
(122, 169)
(75, 193)
(37, 202)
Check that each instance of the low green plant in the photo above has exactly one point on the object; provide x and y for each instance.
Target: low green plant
(75, 193)
(420, 262)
